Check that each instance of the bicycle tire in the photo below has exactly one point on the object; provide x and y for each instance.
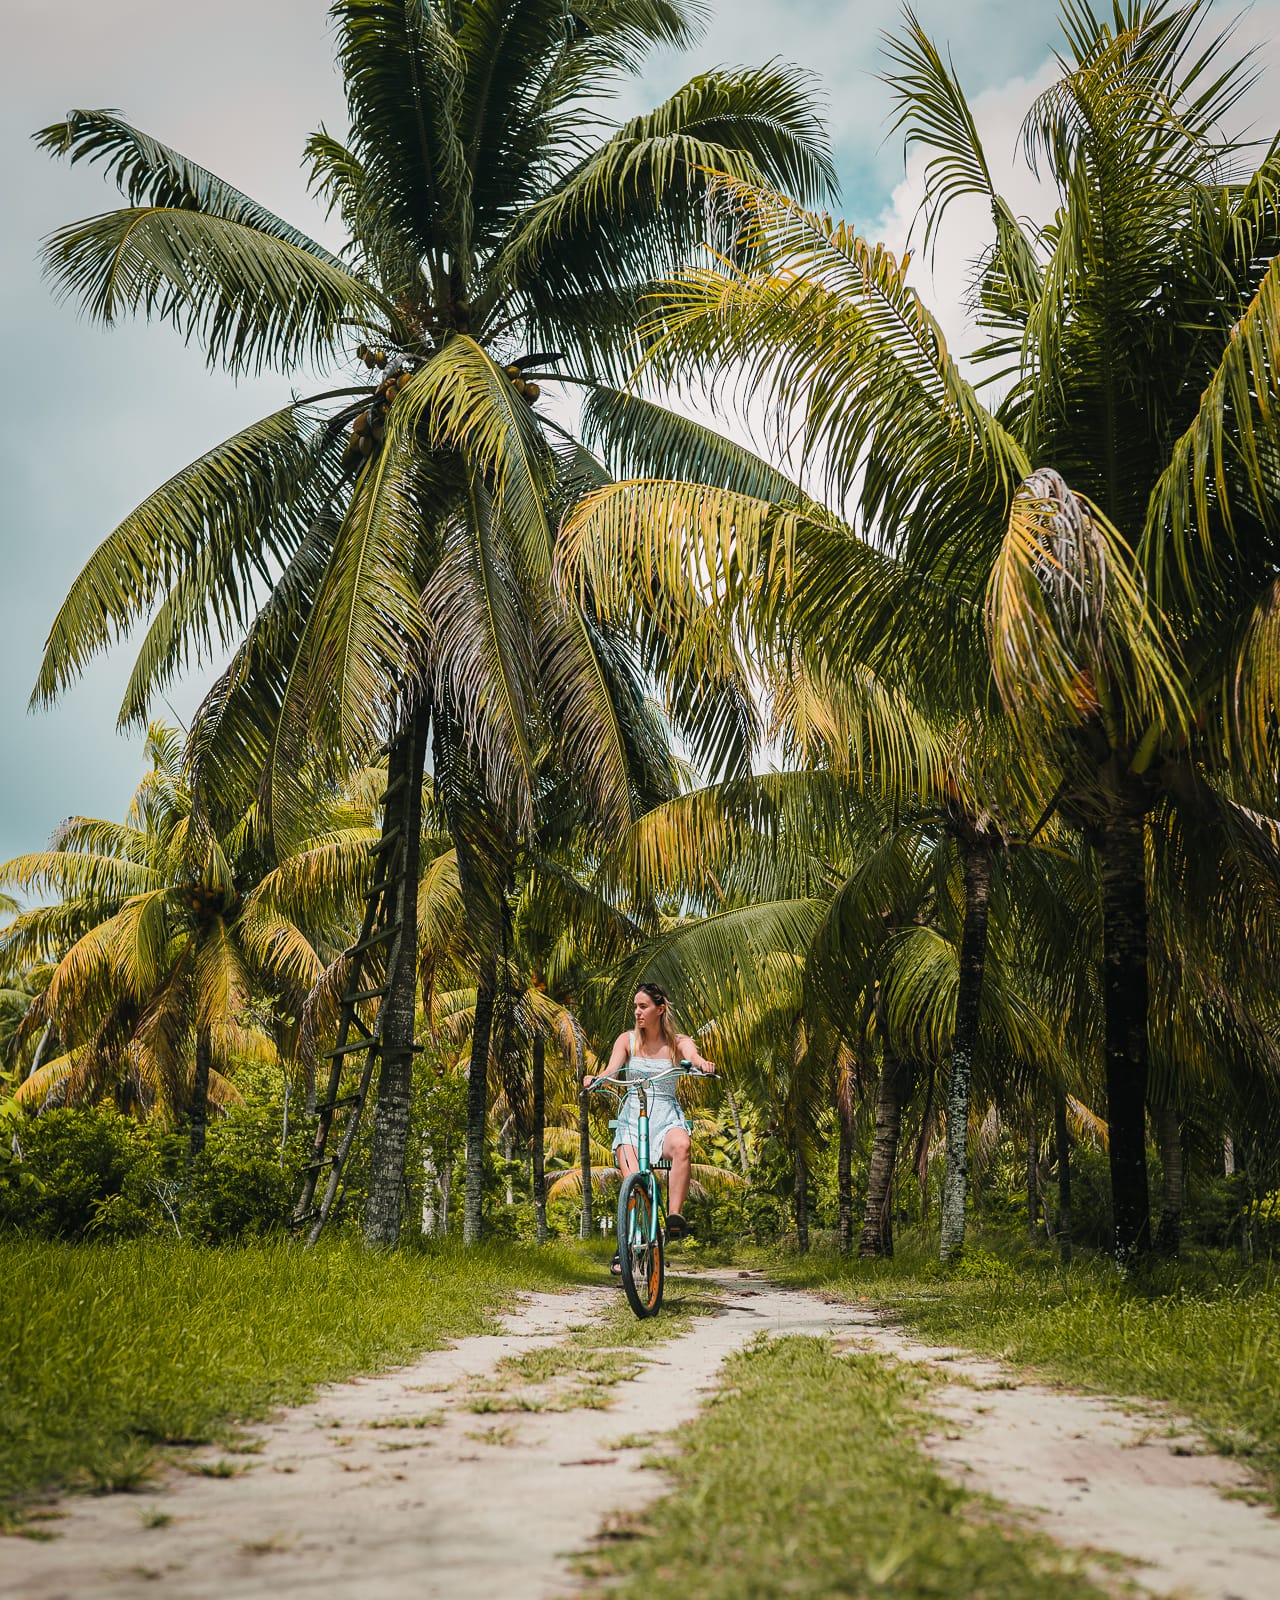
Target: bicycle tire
(643, 1269)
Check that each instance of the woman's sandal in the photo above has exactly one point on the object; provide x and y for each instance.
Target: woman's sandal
(677, 1227)
(615, 1266)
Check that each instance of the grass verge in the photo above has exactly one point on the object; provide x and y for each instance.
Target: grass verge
(109, 1351)
(804, 1478)
(1203, 1336)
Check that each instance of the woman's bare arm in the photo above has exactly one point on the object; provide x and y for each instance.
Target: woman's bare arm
(617, 1060)
(689, 1052)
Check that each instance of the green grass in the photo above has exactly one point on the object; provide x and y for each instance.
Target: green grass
(804, 1478)
(110, 1351)
(1204, 1336)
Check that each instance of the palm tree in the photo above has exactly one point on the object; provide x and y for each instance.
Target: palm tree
(1124, 616)
(160, 942)
(502, 233)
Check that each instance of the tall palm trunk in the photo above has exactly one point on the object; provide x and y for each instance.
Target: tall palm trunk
(200, 1091)
(1062, 1154)
(1169, 1139)
(802, 1201)
(430, 1195)
(584, 1159)
(1033, 1173)
(1122, 862)
(737, 1132)
(973, 955)
(844, 1171)
(446, 1191)
(896, 1082)
(385, 1204)
(539, 1136)
(478, 1101)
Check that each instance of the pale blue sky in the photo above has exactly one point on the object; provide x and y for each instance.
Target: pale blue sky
(96, 418)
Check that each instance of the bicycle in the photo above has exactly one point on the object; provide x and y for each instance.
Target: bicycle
(641, 1209)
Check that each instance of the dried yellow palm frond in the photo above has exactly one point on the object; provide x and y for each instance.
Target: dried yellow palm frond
(1073, 633)
(1086, 1124)
(33, 1089)
(568, 1185)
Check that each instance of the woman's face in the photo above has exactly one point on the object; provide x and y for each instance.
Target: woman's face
(648, 1015)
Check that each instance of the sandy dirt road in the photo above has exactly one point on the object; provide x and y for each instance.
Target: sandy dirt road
(395, 1488)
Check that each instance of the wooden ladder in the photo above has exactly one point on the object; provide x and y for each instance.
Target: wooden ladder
(379, 929)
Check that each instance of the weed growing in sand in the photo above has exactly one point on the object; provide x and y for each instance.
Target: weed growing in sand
(215, 1469)
(501, 1435)
(432, 1419)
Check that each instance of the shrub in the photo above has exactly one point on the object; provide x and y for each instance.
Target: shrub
(81, 1174)
(94, 1174)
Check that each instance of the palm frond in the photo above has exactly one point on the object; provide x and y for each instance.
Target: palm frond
(250, 299)
(931, 111)
(1073, 634)
(203, 540)
(150, 173)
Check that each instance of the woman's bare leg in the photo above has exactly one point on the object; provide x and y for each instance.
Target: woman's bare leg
(675, 1146)
(628, 1161)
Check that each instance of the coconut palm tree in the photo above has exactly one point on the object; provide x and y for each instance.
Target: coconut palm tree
(160, 942)
(1098, 549)
(502, 233)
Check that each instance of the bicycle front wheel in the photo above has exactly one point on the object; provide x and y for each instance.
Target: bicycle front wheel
(640, 1244)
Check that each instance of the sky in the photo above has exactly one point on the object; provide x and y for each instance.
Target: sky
(96, 418)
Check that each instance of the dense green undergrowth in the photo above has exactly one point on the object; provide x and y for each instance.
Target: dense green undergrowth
(1203, 1335)
(109, 1351)
(804, 1478)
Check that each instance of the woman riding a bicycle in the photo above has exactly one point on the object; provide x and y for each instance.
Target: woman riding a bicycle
(652, 1051)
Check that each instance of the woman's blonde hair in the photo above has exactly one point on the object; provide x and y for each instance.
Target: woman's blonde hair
(658, 995)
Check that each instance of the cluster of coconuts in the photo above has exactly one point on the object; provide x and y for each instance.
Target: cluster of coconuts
(369, 428)
(524, 388)
(207, 902)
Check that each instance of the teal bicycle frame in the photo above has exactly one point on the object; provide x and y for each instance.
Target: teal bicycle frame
(658, 1211)
(621, 1087)
(640, 1253)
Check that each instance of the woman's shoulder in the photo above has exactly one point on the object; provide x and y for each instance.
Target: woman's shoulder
(623, 1038)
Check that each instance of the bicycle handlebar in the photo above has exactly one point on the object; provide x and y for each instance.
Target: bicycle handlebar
(619, 1085)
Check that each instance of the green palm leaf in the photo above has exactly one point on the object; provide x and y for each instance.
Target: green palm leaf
(481, 656)
(207, 535)
(252, 300)
(650, 180)
(150, 173)
(641, 439)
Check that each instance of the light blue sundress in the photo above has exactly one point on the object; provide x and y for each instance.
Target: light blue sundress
(664, 1108)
